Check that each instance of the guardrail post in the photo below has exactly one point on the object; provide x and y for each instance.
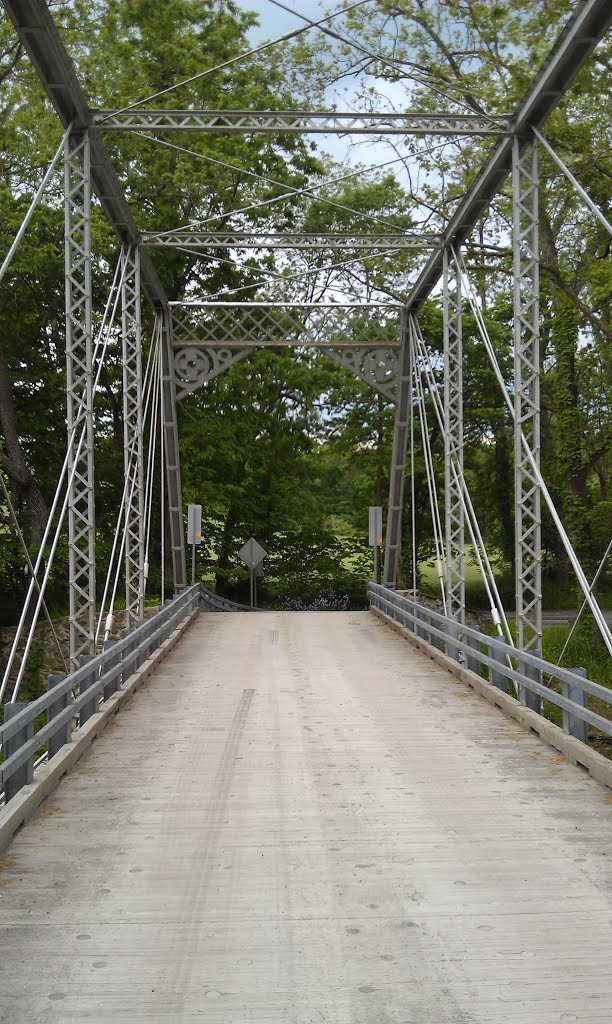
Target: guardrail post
(453, 646)
(528, 698)
(165, 633)
(24, 775)
(150, 646)
(134, 647)
(90, 708)
(64, 732)
(408, 623)
(472, 643)
(427, 632)
(126, 658)
(573, 725)
(436, 641)
(497, 679)
(111, 662)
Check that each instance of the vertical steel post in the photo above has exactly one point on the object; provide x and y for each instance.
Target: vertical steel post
(393, 539)
(174, 493)
(528, 543)
(453, 440)
(133, 448)
(79, 388)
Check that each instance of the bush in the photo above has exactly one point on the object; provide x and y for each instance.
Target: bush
(329, 601)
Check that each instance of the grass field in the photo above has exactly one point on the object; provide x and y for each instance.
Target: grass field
(556, 595)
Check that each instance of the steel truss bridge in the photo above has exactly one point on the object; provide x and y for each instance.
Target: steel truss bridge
(308, 731)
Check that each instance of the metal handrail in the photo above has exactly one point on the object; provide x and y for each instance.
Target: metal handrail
(102, 675)
(462, 643)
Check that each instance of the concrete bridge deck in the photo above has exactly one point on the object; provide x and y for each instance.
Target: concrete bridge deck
(300, 819)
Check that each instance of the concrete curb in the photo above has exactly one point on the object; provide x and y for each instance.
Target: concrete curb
(577, 753)
(22, 807)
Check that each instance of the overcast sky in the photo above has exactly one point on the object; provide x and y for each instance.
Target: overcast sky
(274, 21)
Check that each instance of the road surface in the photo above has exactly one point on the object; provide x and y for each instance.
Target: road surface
(300, 819)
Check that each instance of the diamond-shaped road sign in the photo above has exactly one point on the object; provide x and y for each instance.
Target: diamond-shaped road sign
(252, 553)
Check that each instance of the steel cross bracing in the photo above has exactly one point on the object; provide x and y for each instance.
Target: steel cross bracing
(79, 389)
(528, 550)
(453, 440)
(133, 447)
(209, 338)
(253, 240)
(310, 122)
(86, 155)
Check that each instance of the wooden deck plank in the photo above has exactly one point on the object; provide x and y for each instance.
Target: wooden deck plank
(299, 818)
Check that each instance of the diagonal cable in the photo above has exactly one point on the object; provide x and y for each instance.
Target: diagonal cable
(269, 181)
(249, 53)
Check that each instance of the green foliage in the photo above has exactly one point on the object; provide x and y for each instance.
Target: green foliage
(287, 446)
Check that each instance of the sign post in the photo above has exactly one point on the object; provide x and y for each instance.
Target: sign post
(252, 554)
(194, 533)
(375, 537)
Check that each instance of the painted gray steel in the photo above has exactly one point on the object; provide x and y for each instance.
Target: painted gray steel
(584, 30)
(252, 240)
(89, 682)
(430, 625)
(275, 121)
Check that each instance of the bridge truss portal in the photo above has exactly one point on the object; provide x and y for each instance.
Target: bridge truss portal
(199, 340)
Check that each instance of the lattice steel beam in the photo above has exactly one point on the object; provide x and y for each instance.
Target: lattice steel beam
(453, 440)
(393, 538)
(174, 489)
(242, 325)
(133, 448)
(527, 397)
(79, 390)
(251, 240)
(274, 121)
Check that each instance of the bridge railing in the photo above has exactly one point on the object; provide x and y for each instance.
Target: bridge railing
(500, 663)
(51, 718)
